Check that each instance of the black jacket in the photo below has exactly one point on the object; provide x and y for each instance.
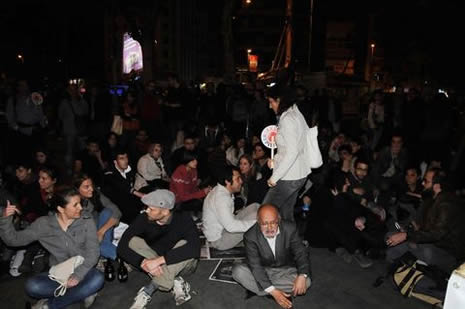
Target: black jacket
(119, 190)
(289, 252)
(162, 239)
(443, 224)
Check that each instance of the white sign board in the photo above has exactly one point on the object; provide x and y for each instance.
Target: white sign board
(269, 135)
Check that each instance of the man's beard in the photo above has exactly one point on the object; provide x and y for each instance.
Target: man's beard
(270, 234)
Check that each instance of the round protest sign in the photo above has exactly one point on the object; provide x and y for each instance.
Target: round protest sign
(37, 98)
(268, 136)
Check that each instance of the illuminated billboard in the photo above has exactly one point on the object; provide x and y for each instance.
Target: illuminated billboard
(132, 55)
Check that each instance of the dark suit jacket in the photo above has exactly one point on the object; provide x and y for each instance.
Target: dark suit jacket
(290, 252)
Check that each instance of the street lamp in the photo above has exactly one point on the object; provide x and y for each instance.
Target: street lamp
(249, 51)
(372, 49)
(20, 58)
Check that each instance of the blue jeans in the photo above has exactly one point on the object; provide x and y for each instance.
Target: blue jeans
(41, 286)
(284, 196)
(107, 248)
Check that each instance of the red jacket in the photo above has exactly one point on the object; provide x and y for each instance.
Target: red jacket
(184, 185)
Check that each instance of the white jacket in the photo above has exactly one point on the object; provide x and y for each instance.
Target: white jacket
(218, 214)
(290, 162)
(148, 170)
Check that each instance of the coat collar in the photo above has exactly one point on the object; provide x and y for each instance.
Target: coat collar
(264, 243)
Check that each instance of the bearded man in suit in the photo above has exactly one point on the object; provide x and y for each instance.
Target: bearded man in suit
(278, 263)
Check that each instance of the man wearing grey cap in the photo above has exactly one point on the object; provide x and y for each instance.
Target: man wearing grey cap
(162, 243)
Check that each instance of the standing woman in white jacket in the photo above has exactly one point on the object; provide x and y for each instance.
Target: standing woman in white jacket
(290, 165)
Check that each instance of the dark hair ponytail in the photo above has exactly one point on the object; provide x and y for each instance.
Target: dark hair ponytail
(61, 197)
(286, 95)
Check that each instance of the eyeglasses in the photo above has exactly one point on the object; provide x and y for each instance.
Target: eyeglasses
(270, 224)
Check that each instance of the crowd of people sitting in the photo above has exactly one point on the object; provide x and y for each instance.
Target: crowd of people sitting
(139, 196)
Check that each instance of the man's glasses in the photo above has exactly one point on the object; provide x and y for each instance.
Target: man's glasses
(270, 224)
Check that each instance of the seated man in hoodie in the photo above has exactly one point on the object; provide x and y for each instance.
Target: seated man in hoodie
(222, 228)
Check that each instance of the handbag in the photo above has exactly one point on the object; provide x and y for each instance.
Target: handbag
(61, 273)
(313, 149)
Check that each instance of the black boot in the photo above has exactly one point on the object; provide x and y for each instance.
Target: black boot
(109, 271)
(122, 272)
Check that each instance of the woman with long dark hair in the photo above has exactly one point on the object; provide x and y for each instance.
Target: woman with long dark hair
(65, 234)
(106, 216)
(290, 166)
(261, 155)
(254, 186)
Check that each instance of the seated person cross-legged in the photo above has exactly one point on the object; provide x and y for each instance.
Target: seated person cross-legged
(438, 232)
(222, 228)
(106, 216)
(65, 233)
(185, 184)
(357, 224)
(163, 244)
(278, 263)
(151, 173)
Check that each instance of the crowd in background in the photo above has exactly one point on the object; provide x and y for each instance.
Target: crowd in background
(386, 171)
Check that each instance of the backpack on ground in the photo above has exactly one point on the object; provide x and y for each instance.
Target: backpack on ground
(414, 278)
(415, 281)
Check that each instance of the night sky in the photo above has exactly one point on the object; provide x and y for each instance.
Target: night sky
(66, 37)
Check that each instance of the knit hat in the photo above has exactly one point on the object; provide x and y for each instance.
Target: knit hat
(159, 198)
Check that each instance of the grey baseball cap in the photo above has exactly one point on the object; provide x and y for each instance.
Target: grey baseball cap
(159, 198)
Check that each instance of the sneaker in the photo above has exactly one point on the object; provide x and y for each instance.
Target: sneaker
(346, 256)
(89, 300)
(128, 267)
(41, 304)
(15, 262)
(14, 272)
(141, 300)
(181, 291)
(362, 260)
